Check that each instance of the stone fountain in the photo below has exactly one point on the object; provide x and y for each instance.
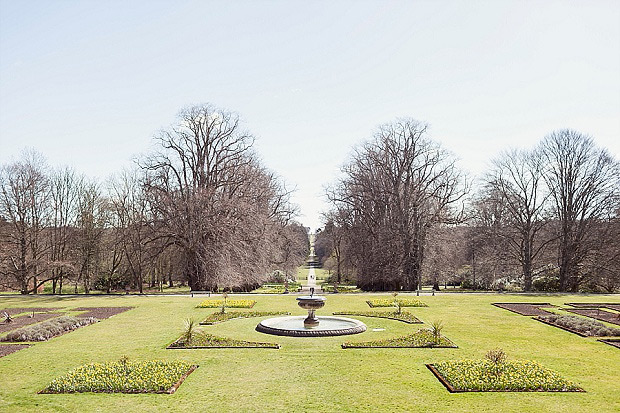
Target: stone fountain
(310, 326)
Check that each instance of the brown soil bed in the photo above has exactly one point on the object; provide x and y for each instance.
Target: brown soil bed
(611, 306)
(611, 341)
(15, 311)
(6, 349)
(101, 313)
(25, 320)
(597, 314)
(528, 309)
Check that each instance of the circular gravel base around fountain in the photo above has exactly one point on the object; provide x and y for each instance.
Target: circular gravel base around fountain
(293, 326)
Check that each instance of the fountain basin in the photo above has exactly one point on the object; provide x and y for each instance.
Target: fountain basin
(309, 302)
(295, 326)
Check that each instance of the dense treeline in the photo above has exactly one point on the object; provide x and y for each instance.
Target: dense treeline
(200, 209)
(402, 214)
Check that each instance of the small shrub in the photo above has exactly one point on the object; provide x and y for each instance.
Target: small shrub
(190, 332)
(436, 327)
(48, 329)
(497, 356)
(7, 317)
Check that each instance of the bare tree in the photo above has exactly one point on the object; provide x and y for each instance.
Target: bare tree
(583, 181)
(90, 225)
(23, 204)
(63, 195)
(292, 248)
(211, 199)
(396, 188)
(517, 180)
(130, 206)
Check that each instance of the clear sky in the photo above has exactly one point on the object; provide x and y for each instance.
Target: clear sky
(88, 83)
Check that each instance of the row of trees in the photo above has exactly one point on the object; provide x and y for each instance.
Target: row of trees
(403, 213)
(200, 209)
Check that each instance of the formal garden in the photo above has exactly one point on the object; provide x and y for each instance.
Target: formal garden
(461, 352)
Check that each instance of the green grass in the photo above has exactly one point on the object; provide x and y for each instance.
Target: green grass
(250, 380)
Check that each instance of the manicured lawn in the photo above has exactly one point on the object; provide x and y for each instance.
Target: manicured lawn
(311, 374)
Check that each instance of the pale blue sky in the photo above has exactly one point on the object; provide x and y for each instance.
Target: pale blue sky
(87, 83)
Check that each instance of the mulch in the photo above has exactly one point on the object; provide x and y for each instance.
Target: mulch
(6, 349)
(25, 320)
(101, 313)
(597, 314)
(611, 306)
(15, 311)
(527, 309)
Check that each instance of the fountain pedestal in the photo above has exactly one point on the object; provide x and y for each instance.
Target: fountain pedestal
(311, 303)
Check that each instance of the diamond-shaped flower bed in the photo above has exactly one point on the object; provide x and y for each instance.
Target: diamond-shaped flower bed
(485, 376)
(529, 309)
(228, 304)
(123, 377)
(389, 302)
(420, 339)
(205, 340)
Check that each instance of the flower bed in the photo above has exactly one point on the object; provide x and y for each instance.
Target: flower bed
(341, 289)
(101, 313)
(277, 288)
(123, 377)
(419, 339)
(597, 314)
(403, 316)
(48, 329)
(611, 306)
(483, 375)
(220, 317)
(204, 340)
(389, 302)
(528, 309)
(6, 349)
(24, 320)
(228, 304)
(20, 310)
(579, 325)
